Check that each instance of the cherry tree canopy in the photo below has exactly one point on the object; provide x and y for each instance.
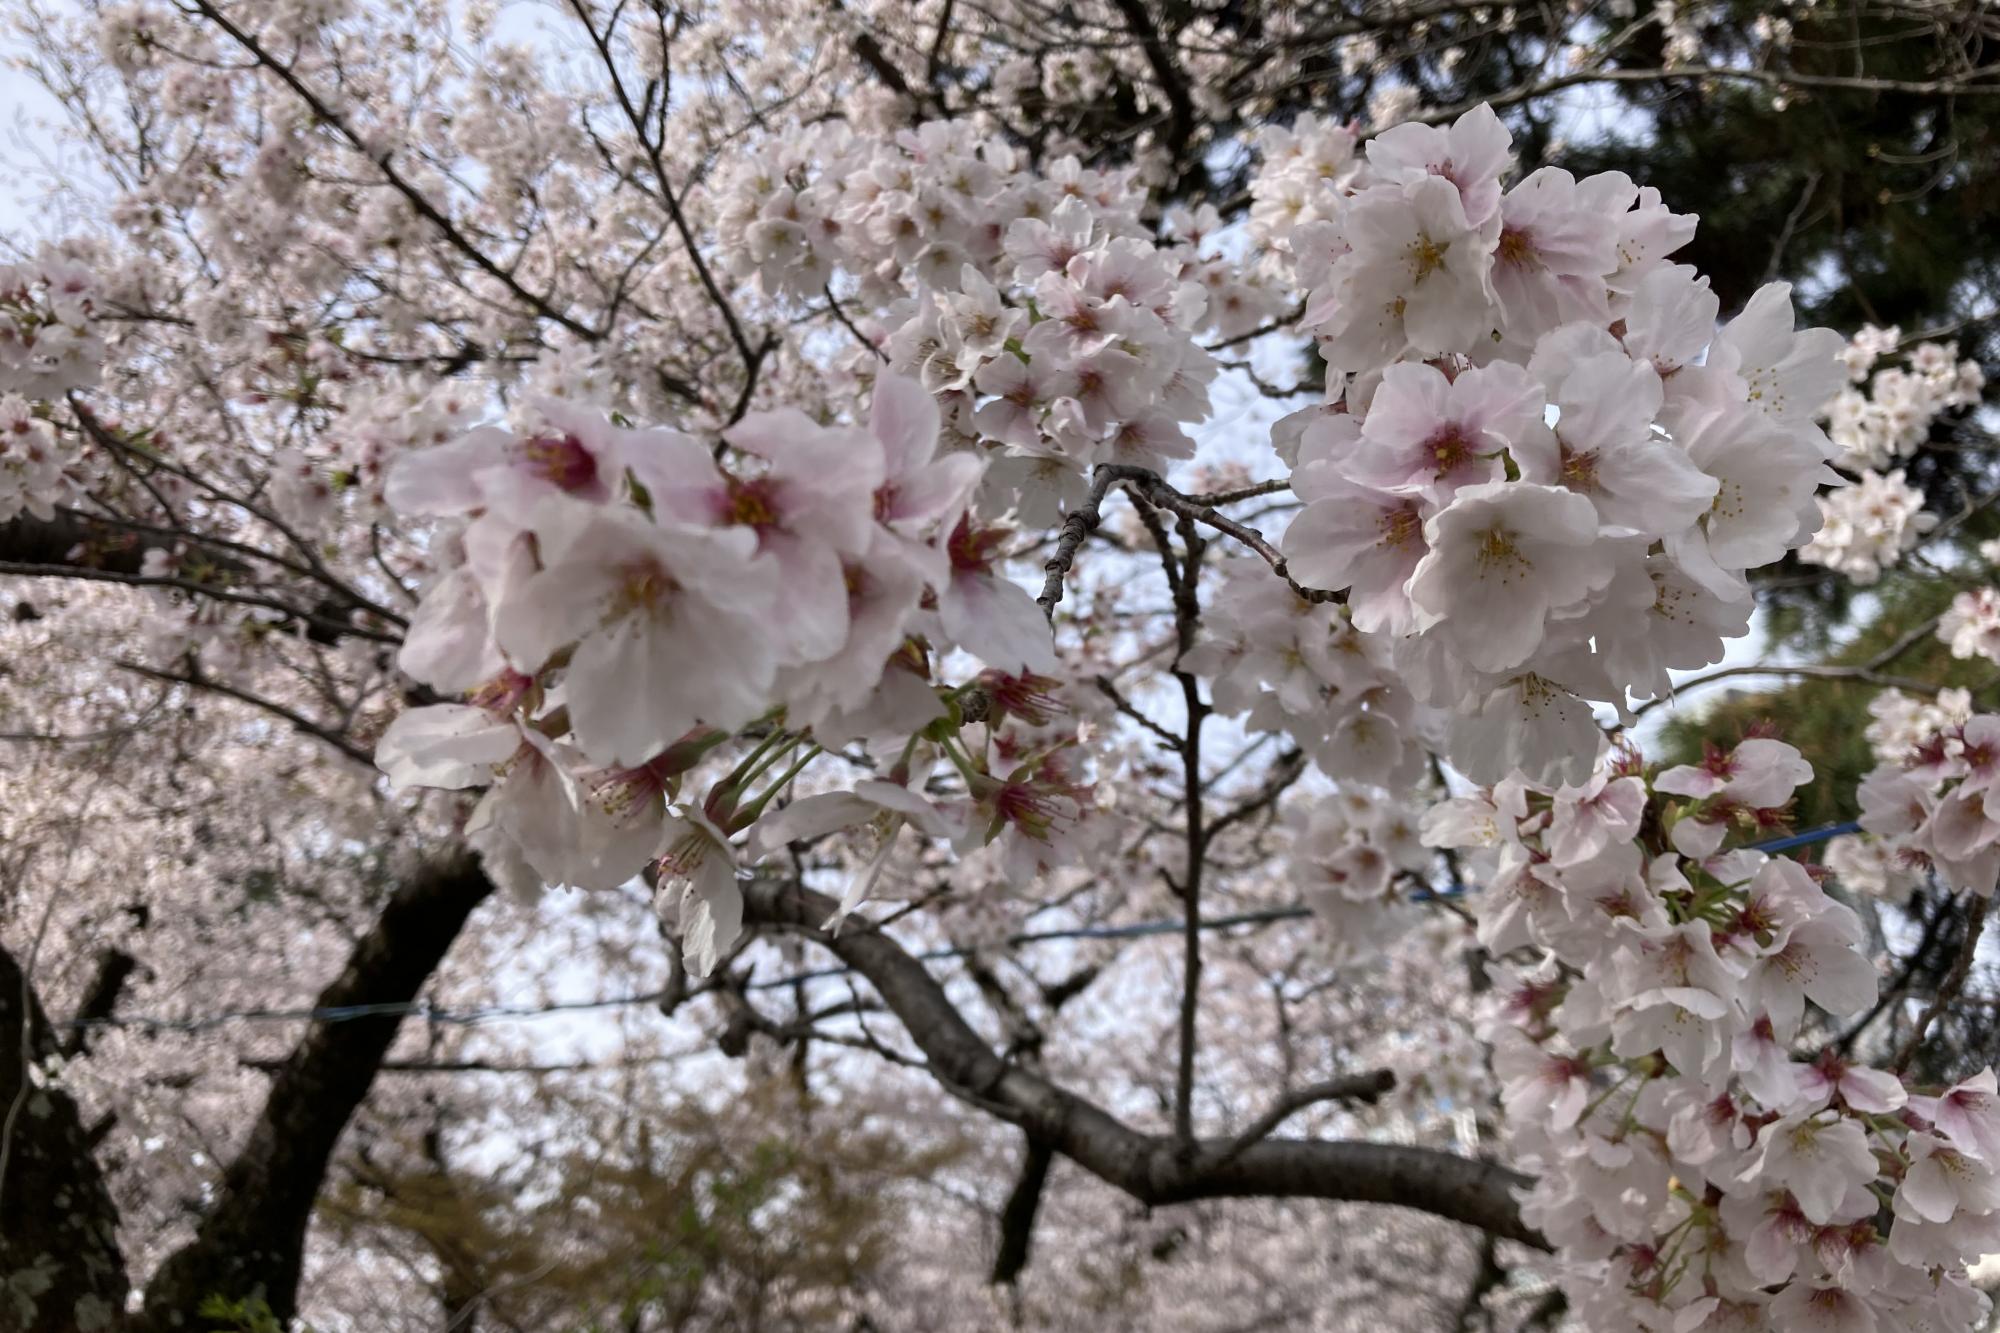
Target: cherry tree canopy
(1036, 622)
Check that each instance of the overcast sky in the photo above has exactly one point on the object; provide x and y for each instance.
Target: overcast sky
(28, 147)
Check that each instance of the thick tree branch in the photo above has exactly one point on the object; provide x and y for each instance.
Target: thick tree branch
(89, 550)
(250, 1243)
(328, 628)
(1017, 1218)
(1146, 1166)
(75, 541)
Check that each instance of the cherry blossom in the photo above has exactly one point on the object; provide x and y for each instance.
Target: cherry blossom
(1868, 527)
(1661, 1105)
(658, 489)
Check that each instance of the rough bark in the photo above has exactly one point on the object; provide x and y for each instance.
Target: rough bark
(60, 1269)
(249, 1245)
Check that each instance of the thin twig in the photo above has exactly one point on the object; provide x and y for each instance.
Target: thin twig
(1124, 705)
(1278, 325)
(1250, 492)
(1869, 672)
(753, 356)
(1148, 484)
(300, 722)
(1948, 990)
(833, 304)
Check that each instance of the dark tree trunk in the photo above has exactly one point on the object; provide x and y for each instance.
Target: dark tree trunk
(249, 1245)
(60, 1269)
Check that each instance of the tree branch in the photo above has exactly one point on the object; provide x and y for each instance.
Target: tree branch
(1017, 1218)
(753, 356)
(1150, 486)
(1145, 1166)
(1349, 1087)
(300, 723)
(1951, 987)
(1187, 621)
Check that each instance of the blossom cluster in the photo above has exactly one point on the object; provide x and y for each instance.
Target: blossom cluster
(687, 639)
(1302, 173)
(1900, 725)
(1902, 730)
(1893, 418)
(380, 420)
(1051, 324)
(1357, 860)
(1874, 867)
(1929, 803)
(48, 346)
(34, 463)
(1869, 526)
(1302, 669)
(1971, 624)
(619, 605)
(1541, 473)
(1692, 1173)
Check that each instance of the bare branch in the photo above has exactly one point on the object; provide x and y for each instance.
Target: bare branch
(753, 357)
(1148, 1167)
(1953, 984)
(1352, 1087)
(299, 721)
(1278, 325)
(1148, 484)
(1017, 1218)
